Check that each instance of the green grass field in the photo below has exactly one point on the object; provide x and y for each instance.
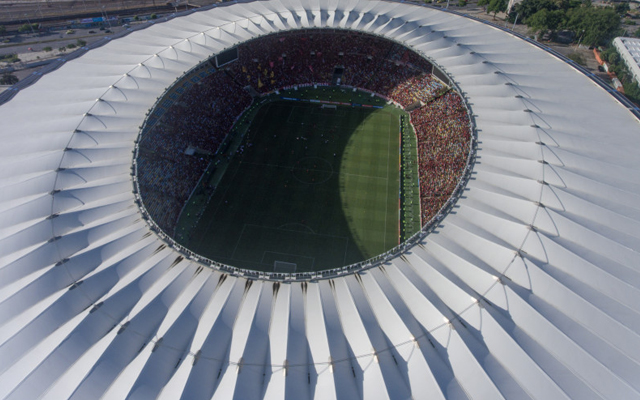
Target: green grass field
(314, 187)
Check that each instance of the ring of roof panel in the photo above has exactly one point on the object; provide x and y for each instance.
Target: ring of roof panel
(529, 289)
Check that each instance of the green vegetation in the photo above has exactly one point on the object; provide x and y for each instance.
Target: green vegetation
(3, 30)
(494, 6)
(9, 58)
(71, 46)
(546, 20)
(577, 57)
(8, 79)
(28, 28)
(618, 67)
(48, 48)
(80, 43)
(622, 8)
(308, 185)
(591, 25)
(462, 3)
(598, 25)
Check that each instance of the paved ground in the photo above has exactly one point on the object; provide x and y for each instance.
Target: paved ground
(29, 47)
(12, 11)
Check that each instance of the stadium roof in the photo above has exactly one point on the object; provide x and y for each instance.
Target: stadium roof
(529, 289)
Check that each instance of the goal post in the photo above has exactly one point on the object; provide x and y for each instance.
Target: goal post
(284, 267)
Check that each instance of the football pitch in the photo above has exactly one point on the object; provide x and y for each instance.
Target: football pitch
(309, 188)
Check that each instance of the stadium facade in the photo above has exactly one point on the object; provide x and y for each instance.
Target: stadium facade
(528, 289)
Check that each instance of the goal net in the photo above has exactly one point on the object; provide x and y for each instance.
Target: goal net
(284, 267)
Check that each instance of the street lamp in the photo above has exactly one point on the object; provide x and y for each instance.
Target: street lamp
(106, 16)
(30, 26)
(581, 37)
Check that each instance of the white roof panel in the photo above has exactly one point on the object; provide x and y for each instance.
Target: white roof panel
(529, 288)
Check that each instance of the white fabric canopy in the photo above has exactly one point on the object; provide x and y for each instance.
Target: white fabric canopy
(528, 289)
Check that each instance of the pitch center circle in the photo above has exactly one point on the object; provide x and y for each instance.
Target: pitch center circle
(312, 170)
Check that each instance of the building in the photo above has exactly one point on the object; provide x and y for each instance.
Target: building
(530, 289)
(629, 49)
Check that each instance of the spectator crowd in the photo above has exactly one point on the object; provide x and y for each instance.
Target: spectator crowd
(204, 114)
(442, 128)
(199, 122)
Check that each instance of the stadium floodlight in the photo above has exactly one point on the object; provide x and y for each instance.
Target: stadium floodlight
(94, 302)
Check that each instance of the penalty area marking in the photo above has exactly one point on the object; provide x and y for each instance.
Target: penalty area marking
(291, 256)
(292, 224)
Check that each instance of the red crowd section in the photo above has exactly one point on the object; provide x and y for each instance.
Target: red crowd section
(443, 134)
(204, 114)
(369, 62)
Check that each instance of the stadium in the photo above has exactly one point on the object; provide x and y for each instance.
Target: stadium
(524, 286)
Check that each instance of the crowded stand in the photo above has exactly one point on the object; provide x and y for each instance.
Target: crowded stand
(200, 120)
(204, 114)
(324, 56)
(443, 135)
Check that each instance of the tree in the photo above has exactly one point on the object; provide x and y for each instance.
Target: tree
(609, 54)
(545, 20)
(497, 6)
(3, 30)
(527, 8)
(595, 25)
(8, 79)
(632, 91)
(622, 8)
(28, 28)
